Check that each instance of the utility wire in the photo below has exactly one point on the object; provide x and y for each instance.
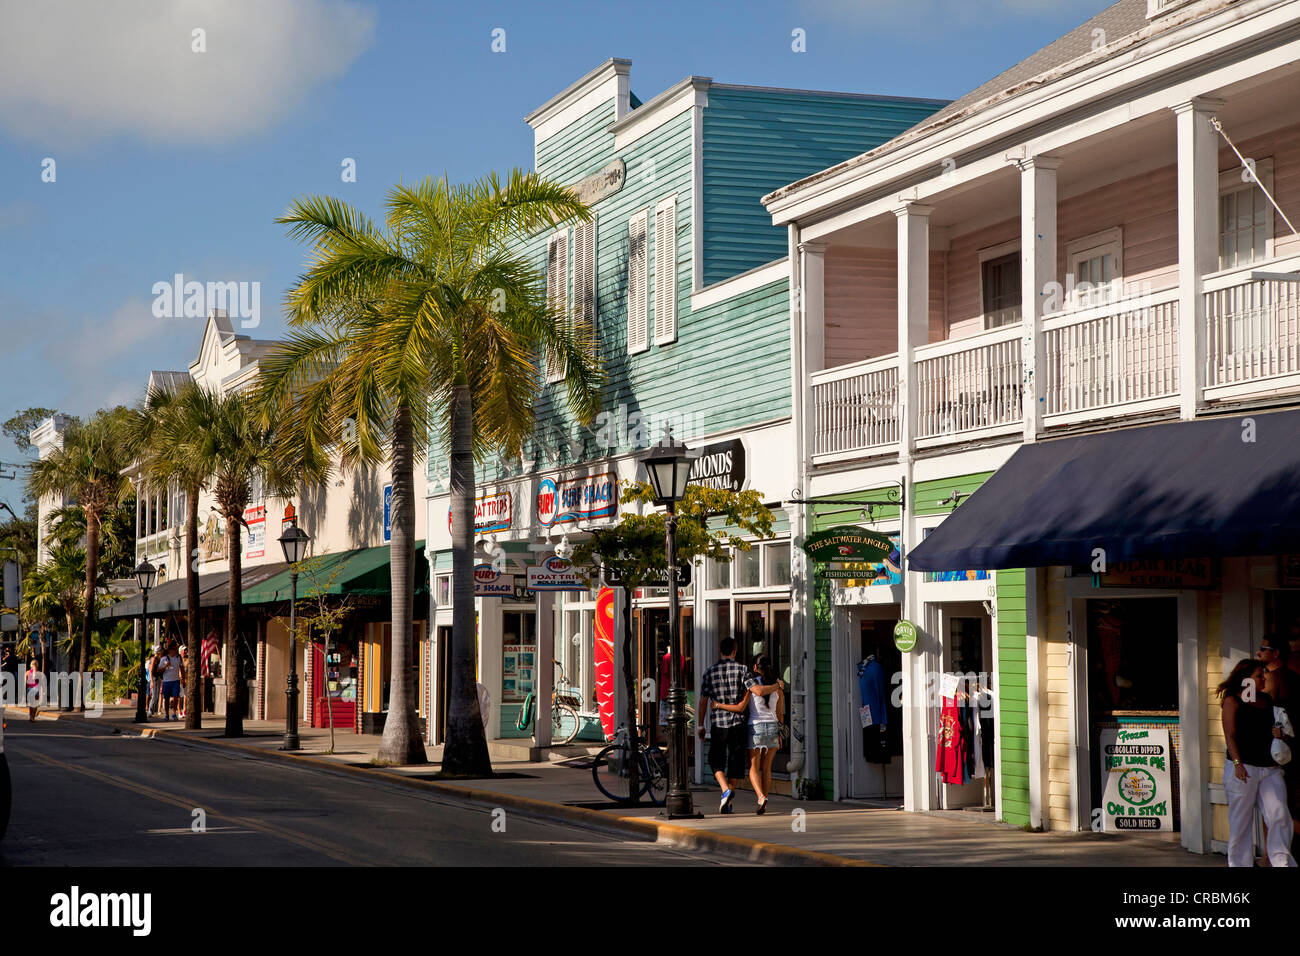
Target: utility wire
(1214, 121)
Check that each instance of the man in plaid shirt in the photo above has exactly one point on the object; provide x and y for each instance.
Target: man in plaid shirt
(724, 683)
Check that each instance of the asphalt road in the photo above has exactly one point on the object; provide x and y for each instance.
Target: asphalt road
(89, 799)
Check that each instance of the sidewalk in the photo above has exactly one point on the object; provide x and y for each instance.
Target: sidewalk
(792, 831)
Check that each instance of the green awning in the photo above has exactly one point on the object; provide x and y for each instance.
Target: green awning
(363, 571)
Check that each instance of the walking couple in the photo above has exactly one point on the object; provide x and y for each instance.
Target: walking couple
(733, 691)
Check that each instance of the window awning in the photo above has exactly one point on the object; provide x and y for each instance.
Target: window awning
(363, 571)
(1187, 489)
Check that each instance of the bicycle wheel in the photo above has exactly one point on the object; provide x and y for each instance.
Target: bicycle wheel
(655, 767)
(610, 771)
(565, 724)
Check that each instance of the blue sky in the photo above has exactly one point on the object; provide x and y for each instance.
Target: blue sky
(168, 160)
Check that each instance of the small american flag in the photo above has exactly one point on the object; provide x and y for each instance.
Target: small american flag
(209, 648)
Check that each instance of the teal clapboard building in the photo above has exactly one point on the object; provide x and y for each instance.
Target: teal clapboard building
(685, 280)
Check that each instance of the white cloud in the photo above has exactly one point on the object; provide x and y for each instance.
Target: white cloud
(941, 16)
(79, 70)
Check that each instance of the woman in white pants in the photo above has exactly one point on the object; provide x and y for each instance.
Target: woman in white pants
(1250, 777)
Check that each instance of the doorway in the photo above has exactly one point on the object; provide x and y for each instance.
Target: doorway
(875, 760)
(966, 673)
(764, 628)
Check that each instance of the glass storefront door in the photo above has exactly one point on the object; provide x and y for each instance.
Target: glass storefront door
(764, 628)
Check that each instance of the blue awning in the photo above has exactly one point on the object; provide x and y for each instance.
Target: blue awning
(1187, 489)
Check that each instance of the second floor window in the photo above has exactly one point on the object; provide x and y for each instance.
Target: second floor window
(1000, 285)
(1245, 217)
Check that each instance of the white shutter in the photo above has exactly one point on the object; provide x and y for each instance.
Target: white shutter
(557, 292)
(666, 271)
(638, 331)
(584, 276)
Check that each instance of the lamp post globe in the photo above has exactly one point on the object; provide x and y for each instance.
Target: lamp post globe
(146, 576)
(294, 543)
(668, 465)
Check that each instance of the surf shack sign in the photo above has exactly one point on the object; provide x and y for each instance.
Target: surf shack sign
(847, 543)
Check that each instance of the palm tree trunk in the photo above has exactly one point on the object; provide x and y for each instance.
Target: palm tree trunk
(401, 743)
(465, 752)
(194, 652)
(92, 572)
(236, 693)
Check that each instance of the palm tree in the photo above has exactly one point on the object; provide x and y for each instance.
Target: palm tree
(431, 324)
(56, 587)
(170, 422)
(88, 470)
(226, 440)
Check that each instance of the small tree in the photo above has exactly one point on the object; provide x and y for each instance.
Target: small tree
(635, 549)
(320, 614)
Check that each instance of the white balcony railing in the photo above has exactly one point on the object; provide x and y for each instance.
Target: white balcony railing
(855, 407)
(971, 384)
(1252, 325)
(1113, 354)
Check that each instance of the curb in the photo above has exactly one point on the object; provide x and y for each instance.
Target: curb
(688, 838)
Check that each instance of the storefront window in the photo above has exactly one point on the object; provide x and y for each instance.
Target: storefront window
(776, 561)
(443, 590)
(747, 568)
(719, 575)
(518, 655)
(1133, 656)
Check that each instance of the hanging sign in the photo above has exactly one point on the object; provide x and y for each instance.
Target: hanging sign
(604, 182)
(555, 574)
(720, 465)
(848, 543)
(1136, 792)
(388, 513)
(615, 579)
(489, 582)
(255, 532)
(905, 636)
(1159, 573)
(491, 513)
(576, 499)
(290, 518)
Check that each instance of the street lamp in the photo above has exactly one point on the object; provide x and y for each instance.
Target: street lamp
(146, 575)
(668, 463)
(294, 542)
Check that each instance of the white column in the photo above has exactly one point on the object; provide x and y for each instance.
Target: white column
(1198, 244)
(1194, 756)
(913, 311)
(544, 675)
(1037, 269)
(812, 295)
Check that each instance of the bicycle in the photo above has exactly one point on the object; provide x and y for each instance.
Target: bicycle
(611, 770)
(565, 701)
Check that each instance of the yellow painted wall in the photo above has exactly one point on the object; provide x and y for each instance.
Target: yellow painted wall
(1058, 704)
(1213, 707)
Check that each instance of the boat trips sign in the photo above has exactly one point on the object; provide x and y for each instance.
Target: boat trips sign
(847, 543)
(1137, 795)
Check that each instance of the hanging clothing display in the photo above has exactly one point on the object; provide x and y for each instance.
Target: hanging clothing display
(950, 758)
(872, 714)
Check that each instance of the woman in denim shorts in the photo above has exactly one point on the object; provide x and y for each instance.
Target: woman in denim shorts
(764, 725)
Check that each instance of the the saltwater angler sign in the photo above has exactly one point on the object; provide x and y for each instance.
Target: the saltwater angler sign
(847, 543)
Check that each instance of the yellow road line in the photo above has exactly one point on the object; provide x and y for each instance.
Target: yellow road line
(300, 839)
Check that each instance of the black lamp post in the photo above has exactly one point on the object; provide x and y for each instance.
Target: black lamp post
(294, 542)
(668, 464)
(146, 575)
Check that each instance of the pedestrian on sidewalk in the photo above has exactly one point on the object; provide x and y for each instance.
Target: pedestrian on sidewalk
(763, 705)
(33, 690)
(724, 683)
(156, 669)
(173, 674)
(1283, 685)
(1251, 778)
(184, 662)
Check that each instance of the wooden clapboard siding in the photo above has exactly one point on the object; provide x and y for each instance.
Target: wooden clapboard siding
(1013, 696)
(861, 303)
(1218, 747)
(757, 140)
(1059, 756)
